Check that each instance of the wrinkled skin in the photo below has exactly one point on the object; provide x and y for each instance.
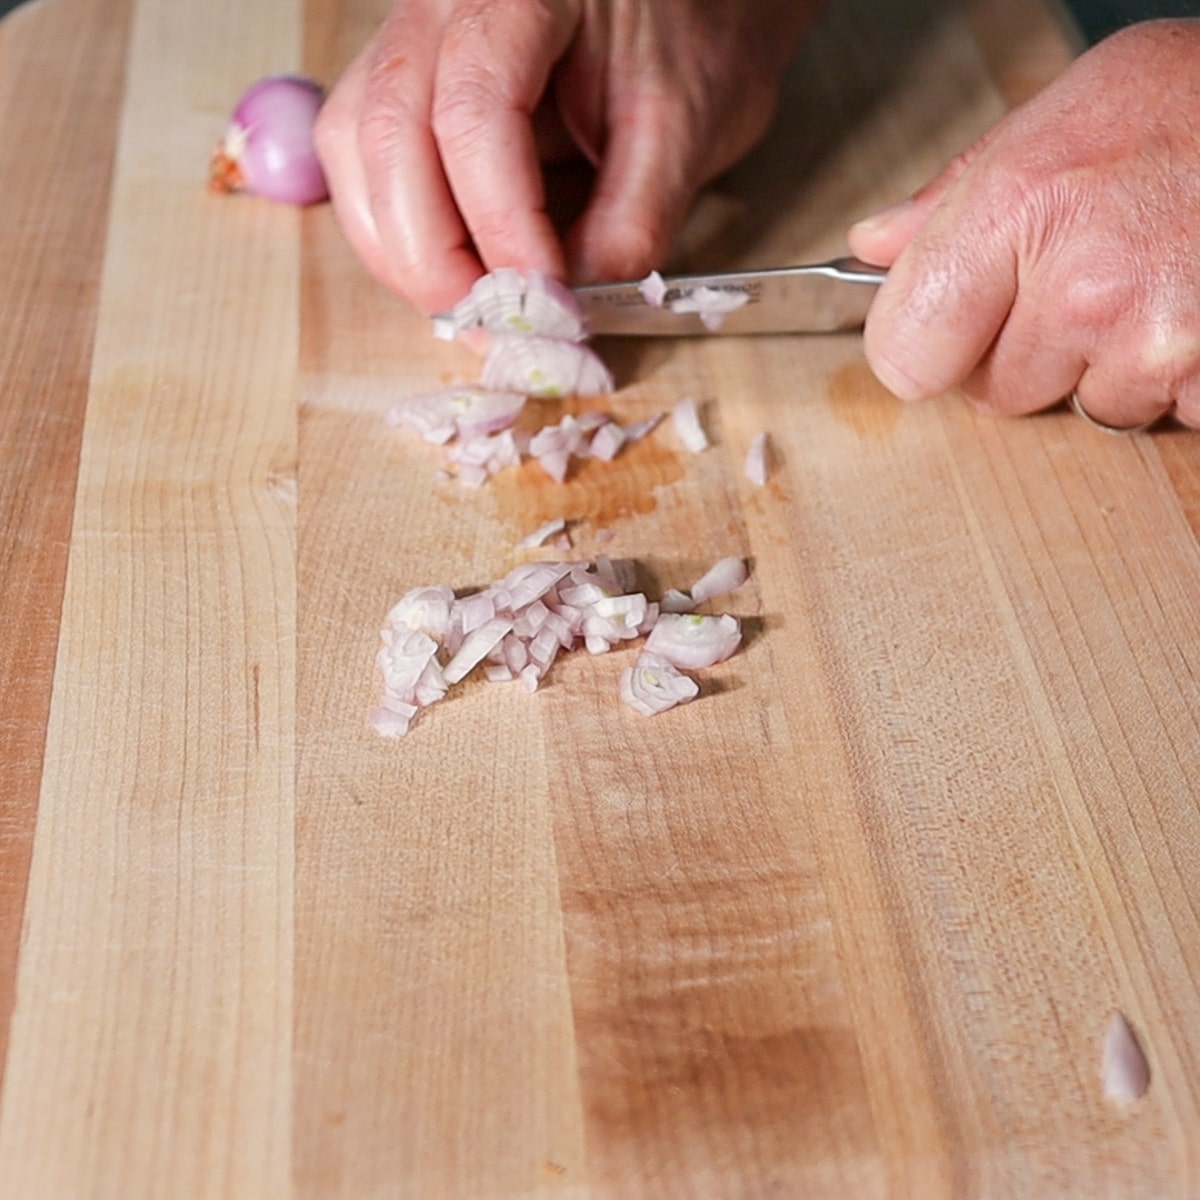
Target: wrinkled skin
(432, 138)
(1062, 250)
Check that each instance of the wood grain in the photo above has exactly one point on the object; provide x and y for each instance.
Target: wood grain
(150, 1044)
(51, 242)
(851, 924)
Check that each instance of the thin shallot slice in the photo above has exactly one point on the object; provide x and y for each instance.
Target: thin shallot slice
(508, 302)
(653, 685)
(1125, 1072)
(606, 441)
(756, 460)
(712, 305)
(467, 410)
(542, 534)
(725, 575)
(675, 601)
(692, 641)
(686, 418)
(653, 289)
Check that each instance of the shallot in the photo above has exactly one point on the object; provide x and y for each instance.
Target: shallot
(542, 534)
(507, 301)
(268, 147)
(653, 685)
(515, 628)
(467, 411)
(712, 305)
(693, 641)
(756, 460)
(725, 575)
(686, 418)
(653, 289)
(542, 366)
(1125, 1073)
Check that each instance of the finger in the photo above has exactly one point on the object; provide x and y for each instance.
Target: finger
(1140, 380)
(1187, 402)
(1026, 368)
(336, 141)
(491, 77)
(1117, 400)
(427, 255)
(943, 304)
(644, 185)
(880, 237)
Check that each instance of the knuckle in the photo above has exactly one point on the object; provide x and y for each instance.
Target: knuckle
(461, 111)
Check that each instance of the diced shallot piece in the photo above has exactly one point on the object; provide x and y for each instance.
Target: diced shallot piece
(756, 460)
(542, 534)
(403, 660)
(725, 575)
(476, 646)
(423, 610)
(639, 429)
(1124, 1070)
(686, 418)
(653, 289)
(541, 366)
(606, 441)
(675, 601)
(692, 641)
(653, 685)
(712, 305)
(390, 722)
(466, 410)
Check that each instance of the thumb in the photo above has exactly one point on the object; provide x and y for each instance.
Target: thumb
(881, 237)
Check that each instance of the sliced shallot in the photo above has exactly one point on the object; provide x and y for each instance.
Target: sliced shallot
(542, 534)
(465, 410)
(712, 305)
(653, 289)
(723, 576)
(686, 419)
(653, 685)
(756, 460)
(692, 641)
(540, 366)
(506, 301)
(1125, 1072)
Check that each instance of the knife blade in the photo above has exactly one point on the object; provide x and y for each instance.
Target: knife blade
(813, 298)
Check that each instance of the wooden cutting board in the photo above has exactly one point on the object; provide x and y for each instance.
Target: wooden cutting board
(852, 924)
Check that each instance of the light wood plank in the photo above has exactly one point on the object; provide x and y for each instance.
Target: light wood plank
(151, 1041)
(51, 244)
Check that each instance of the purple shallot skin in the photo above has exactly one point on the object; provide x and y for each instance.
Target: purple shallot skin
(268, 148)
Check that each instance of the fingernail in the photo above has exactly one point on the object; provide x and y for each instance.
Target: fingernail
(884, 216)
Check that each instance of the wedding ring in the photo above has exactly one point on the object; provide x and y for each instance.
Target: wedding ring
(1120, 430)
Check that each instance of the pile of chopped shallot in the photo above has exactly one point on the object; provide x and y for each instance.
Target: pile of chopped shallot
(537, 349)
(514, 629)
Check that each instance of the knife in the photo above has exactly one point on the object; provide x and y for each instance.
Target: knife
(815, 298)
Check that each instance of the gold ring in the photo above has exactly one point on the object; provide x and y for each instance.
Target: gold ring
(1119, 430)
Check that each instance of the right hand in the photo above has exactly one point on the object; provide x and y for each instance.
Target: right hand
(430, 140)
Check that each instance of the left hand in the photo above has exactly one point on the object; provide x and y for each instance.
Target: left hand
(1061, 252)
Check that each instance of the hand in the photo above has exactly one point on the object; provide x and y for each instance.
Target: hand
(430, 140)
(1062, 250)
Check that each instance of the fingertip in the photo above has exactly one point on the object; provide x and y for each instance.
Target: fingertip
(881, 237)
(894, 375)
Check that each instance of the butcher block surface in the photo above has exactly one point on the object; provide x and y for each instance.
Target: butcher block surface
(852, 924)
